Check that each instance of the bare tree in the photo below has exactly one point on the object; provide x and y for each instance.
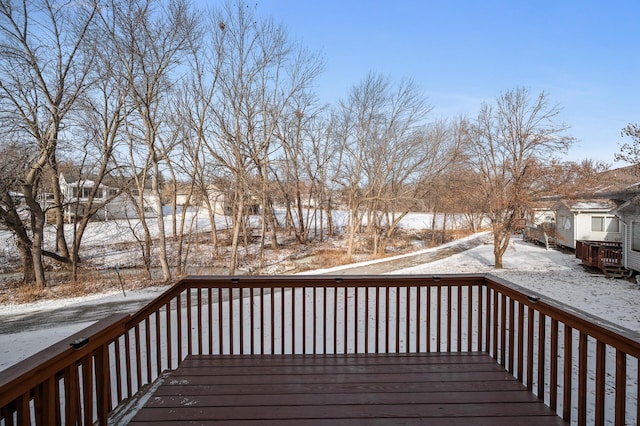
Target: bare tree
(151, 40)
(260, 72)
(630, 151)
(43, 73)
(298, 171)
(509, 137)
(386, 152)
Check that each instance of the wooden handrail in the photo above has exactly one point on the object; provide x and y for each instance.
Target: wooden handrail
(529, 334)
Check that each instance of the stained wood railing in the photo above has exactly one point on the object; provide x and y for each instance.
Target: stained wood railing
(583, 367)
(599, 254)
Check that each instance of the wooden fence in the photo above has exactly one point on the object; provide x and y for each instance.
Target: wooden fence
(583, 367)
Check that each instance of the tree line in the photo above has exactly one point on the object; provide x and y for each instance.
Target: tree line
(146, 94)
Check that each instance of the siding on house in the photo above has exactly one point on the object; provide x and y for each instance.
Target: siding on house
(591, 220)
(629, 214)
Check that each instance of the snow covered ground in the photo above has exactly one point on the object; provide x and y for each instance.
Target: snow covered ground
(552, 273)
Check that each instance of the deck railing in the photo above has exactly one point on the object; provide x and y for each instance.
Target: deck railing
(599, 254)
(583, 367)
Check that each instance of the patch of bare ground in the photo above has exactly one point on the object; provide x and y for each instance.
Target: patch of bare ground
(98, 276)
(60, 285)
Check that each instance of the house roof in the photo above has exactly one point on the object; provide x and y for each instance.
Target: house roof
(622, 180)
(603, 205)
(631, 206)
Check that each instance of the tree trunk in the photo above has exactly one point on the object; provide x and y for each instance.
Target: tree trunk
(500, 244)
(36, 250)
(235, 239)
(28, 271)
(61, 242)
(162, 236)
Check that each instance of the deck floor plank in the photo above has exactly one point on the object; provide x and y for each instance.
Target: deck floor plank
(372, 389)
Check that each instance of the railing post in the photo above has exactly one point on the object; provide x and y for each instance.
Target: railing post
(103, 384)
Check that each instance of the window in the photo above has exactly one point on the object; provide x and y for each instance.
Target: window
(597, 224)
(613, 224)
(605, 224)
(635, 236)
(564, 223)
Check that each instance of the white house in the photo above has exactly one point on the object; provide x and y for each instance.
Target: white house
(218, 200)
(590, 220)
(113, 203)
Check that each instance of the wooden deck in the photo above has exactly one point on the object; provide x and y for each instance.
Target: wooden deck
(362, 389)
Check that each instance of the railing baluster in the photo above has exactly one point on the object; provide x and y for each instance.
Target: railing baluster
(494, 319)
(262, 326)
(582, 379)
(346, 320)
(199, 327)
(542, 339)
(377, 320)
(621, 387)
(252, 350)
(512, 337)
(335, 320)
(480, 317)
(189, 324)
(168, 335)
(147, 336)
(304, 320)
(459, 319)
(127, 361)
(449, 318)
(220, 323)
(568, 373)
(282, 320)
(87, 388)
(521, 333)
(407, 319)
(487, 320)
(356, 309)
(600, 382)
(315, 320)
(387, 319)
(418, 319)
(428, 319)
(138, 358)
(530, 340)
(324, 321)
(439, 319)
(397, 320)
(553, 360)
(158, 343)
(366, 320)
(241, 319)
(469, 318)
(179, 325)
(503, 332)
(231, 322)
(293, 320)
(210, 320)
(118, 373)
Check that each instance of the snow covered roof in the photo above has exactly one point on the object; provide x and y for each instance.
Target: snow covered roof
(589, 205)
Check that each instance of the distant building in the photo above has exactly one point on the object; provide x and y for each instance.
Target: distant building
(113, 202)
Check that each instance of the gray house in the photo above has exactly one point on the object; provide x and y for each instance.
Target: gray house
(629, 215)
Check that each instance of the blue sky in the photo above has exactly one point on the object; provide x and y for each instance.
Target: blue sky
(584, 54)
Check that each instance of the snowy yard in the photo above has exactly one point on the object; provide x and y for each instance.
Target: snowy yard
(551, 273)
